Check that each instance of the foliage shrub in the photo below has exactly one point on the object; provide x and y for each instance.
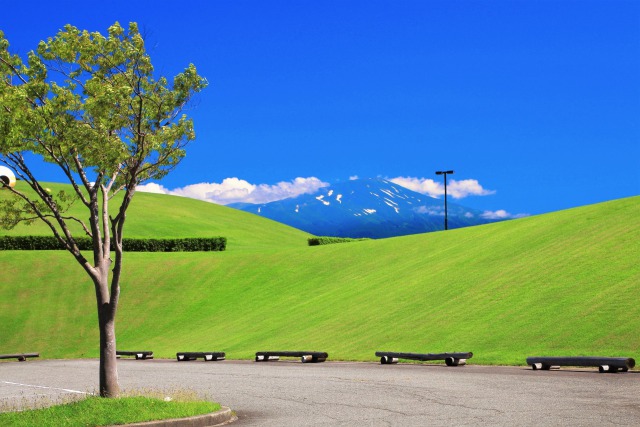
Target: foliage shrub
(325, 240)
(47, 243)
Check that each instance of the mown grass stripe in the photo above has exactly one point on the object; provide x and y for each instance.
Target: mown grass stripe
(564, 283)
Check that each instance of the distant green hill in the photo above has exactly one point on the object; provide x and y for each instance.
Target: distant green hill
(564, 283)
(162, 216)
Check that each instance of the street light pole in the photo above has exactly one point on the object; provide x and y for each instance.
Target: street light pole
(446, 223)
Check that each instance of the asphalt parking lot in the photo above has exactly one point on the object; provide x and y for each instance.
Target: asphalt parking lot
(289, 393)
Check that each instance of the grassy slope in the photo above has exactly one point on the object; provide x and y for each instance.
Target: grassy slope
(563, 283)
(158, 216)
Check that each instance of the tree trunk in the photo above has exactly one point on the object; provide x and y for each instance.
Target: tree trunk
(109, 386)
(107, 307)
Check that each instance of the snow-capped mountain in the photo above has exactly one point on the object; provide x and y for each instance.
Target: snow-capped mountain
(373, 207)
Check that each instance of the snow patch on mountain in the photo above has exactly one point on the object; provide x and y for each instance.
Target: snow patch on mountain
(392, 205)
(324, 202)
(387, 192)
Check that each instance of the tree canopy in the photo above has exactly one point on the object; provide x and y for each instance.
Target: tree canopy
(91, 105)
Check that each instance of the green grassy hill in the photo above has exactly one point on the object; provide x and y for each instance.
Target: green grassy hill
(564, 283)
(162, 216)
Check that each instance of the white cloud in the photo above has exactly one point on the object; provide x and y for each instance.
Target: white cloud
(152, 187)
(428, 210)
(457, 189)
(232, 190)
(501, 214)
(424, 186)
(468, 187)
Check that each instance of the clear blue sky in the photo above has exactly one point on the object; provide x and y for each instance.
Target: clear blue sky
(539, 101)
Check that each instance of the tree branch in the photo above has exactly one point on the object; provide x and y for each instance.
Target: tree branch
(67, 241)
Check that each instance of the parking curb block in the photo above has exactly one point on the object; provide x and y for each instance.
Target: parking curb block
(224, 415)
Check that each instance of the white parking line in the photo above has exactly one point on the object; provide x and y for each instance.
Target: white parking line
(42, 386)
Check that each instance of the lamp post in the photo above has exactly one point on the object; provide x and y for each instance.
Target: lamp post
(446, 224)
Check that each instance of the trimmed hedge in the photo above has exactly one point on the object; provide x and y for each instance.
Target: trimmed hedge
(324, 240)
(48, 243)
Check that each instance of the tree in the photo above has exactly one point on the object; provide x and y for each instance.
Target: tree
(90, 105)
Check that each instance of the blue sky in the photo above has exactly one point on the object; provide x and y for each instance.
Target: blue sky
(534, 104)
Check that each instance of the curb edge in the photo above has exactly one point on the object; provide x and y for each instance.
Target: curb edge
(224, 415)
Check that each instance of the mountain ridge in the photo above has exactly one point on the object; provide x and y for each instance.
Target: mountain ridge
(368, 207)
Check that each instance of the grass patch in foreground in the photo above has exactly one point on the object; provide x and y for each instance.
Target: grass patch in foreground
(97, 411)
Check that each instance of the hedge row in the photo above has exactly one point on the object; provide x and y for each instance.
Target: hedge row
(46, 243)
(324, 240)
